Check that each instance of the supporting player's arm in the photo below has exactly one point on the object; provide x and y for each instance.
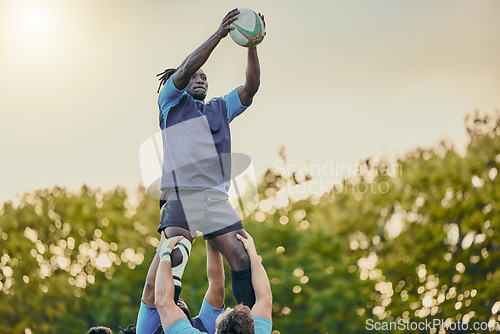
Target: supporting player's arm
(263, 296)
(164, 287)
(252, 82)
(215, 275)
(199, 56)
(148, 293)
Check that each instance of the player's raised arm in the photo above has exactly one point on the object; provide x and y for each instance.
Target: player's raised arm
(148, 319)
(164, 287)
(148, 293)
(252, 81)
(199, 56)
(215, 275)
(263, 296)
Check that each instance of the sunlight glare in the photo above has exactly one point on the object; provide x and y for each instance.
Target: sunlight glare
(33, 21)
(31, 25)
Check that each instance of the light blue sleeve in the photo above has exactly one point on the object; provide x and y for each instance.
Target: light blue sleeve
(208, 315)
(182, 326)
(262, 325)
(148, 320)
(169, 96)
(233, 104)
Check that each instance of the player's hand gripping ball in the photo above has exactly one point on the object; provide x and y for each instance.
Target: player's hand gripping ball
(249, 29)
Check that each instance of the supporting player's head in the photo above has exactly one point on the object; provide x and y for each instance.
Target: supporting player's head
(198, 85)
(129, 330)
(100, 330)
(237, 320)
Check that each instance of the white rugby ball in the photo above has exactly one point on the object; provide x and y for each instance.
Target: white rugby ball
(248, 29)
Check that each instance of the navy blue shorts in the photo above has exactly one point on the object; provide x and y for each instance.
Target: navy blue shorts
(198, 210)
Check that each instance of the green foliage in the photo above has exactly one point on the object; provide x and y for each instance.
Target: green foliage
(422, 243)
(443, 261)
(70, 259)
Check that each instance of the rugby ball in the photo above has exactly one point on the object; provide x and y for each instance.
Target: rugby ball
(248, 29)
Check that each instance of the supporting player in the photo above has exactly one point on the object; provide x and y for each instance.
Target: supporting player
(148, 320)
(241, 319)
(196, 167)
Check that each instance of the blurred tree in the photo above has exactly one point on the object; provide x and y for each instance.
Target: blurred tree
(430, 243)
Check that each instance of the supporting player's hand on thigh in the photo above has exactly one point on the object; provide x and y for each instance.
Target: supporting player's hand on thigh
(166, 250)
(175, 241)
(163, 237)
(248, 243)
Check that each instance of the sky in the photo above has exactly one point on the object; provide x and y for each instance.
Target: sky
(340, 81)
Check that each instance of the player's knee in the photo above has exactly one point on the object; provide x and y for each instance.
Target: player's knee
(179, 258)
(176, 257)
(240, 260)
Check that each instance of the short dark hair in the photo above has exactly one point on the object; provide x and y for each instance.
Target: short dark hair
(129, 330)
(237, 321)
(100, 330)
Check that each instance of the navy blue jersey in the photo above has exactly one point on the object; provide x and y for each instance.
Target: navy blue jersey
(196, 138)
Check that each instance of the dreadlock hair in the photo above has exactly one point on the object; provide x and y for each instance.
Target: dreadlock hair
(129, 330)
(237, 321)
(163, 76)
